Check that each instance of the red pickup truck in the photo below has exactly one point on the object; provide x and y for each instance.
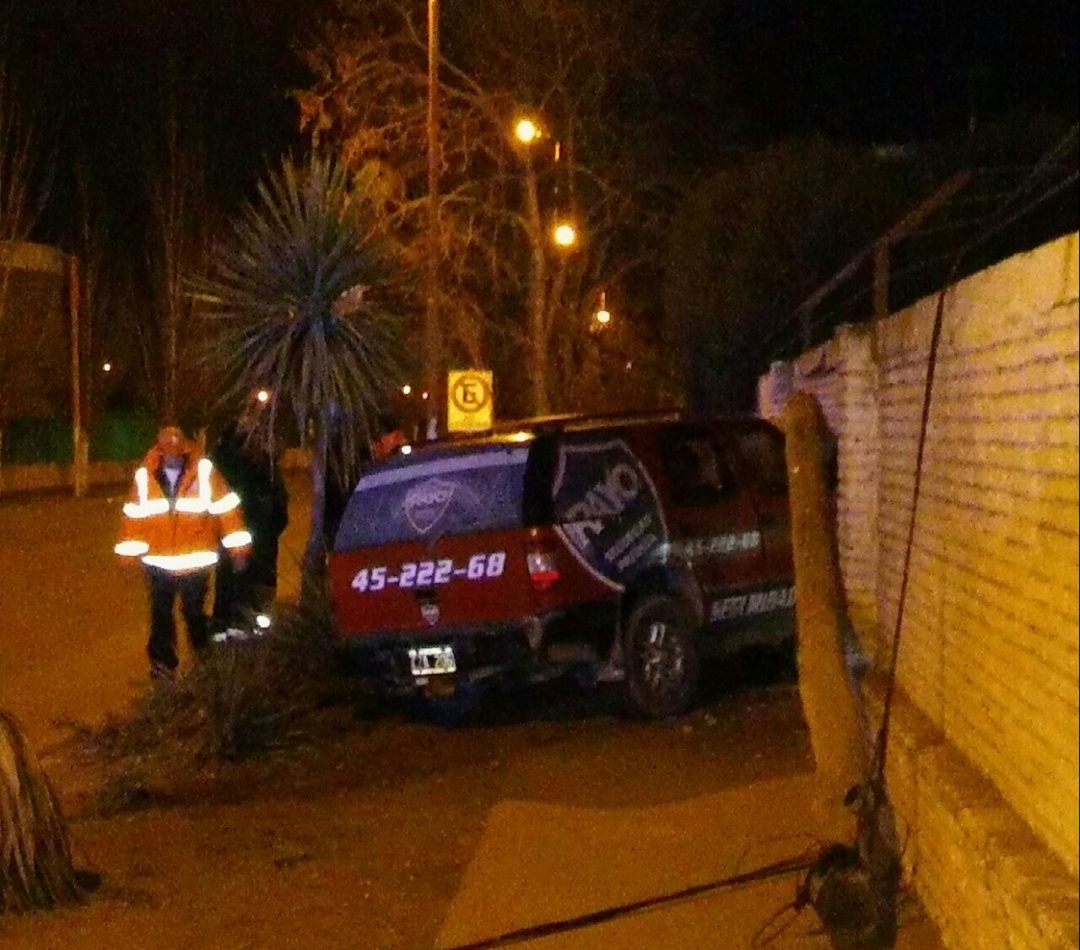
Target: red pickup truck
(622, 549)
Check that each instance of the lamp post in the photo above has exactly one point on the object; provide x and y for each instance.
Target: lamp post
(527, 132)
(431, 341)
(602, 317)
(564, 235)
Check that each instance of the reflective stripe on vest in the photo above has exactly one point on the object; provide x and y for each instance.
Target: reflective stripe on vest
(144, 507)
(182, 562)
(236, 539)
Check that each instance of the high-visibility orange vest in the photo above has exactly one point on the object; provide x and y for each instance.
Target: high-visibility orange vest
(387, 443)
(183, 533)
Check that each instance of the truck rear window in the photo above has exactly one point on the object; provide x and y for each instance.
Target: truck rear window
(435, 493)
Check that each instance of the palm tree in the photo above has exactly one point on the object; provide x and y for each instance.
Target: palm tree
(293, 307)
(35, 856)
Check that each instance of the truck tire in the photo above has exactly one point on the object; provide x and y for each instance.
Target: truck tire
(661, 657)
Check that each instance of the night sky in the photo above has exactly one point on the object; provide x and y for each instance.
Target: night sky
(871, 71)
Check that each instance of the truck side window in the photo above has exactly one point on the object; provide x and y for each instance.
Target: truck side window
(696, 474)
(762, 453)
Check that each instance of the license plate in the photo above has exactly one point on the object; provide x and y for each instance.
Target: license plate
(432, 661)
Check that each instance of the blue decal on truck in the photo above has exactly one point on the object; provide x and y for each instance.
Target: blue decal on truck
(607, 509)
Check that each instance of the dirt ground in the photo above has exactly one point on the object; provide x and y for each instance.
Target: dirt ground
(359, 838)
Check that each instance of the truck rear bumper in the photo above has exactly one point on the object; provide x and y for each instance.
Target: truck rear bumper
(503, 650)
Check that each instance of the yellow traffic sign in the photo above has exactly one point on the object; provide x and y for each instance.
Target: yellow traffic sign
(470, 404)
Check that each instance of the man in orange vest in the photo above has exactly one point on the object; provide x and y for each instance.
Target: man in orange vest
(179, 512)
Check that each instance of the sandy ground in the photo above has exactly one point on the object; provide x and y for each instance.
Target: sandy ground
(388, 831)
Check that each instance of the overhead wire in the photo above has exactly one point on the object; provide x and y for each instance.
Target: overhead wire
(1001, 200)
(1001, 221)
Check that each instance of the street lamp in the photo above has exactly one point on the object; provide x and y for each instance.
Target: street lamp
(602, 315)
(526, 131)
(564, 234)
(431, 338)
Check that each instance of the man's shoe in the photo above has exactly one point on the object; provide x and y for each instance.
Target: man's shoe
(160, 673)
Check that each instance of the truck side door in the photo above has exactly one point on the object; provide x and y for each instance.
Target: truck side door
(758, 457)
(712, 520)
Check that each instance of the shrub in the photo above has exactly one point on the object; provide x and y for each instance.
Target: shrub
(242, 698)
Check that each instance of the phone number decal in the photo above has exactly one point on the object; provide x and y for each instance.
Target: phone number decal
(426, 573)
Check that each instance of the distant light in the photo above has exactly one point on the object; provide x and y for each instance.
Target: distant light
(406, 390)
(603, 317)
(106, 367)
(526, 131)
(520, 437)
(263, 395)
(406, 450)
(565, 235)
(629, 365)
(423, 395)
(262, 622)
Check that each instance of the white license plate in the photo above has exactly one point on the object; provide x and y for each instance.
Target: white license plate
(432, 661)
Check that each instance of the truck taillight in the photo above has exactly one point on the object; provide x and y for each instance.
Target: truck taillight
(543, 568)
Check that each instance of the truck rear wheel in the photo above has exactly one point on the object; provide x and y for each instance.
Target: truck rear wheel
(661, 657)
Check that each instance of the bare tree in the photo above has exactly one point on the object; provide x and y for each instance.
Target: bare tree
(24, 178)
(509, 293)
(177, 253)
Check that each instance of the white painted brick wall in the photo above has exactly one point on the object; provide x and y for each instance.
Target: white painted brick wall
(989, 647)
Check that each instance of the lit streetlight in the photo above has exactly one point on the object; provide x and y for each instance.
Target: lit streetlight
(106, 367)
(602, 315)
(406, 390)
(526, 131)
(263, 395)
(564, 234)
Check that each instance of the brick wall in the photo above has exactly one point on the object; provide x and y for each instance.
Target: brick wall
(988, 664)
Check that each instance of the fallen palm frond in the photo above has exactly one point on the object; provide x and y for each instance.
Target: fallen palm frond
(35, 855)
(243, 698)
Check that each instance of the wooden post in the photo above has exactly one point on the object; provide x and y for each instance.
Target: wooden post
(79, 441)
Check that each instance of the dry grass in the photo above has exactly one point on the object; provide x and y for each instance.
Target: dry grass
(243, 699)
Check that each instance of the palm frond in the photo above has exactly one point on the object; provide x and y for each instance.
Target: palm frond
(272, 307)
(36, 870)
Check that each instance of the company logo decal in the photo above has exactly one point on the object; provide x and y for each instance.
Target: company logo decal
(608, 510)
(750, 605)
(426, 503)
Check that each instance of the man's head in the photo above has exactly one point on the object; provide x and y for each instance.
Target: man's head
(172, 444)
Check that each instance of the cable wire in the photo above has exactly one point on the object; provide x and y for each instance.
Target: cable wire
(1004, 220)
(592, 919)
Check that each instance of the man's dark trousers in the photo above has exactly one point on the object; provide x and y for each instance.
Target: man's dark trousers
(164, 586)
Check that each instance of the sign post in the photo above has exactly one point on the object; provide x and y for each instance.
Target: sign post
(470, 403)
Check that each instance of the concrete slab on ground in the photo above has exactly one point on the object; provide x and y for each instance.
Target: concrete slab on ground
(540, 863)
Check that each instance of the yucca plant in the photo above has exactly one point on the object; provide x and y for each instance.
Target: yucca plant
(293, 305)
(35, 856)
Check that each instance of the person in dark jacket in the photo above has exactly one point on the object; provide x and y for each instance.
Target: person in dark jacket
(255, 477)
